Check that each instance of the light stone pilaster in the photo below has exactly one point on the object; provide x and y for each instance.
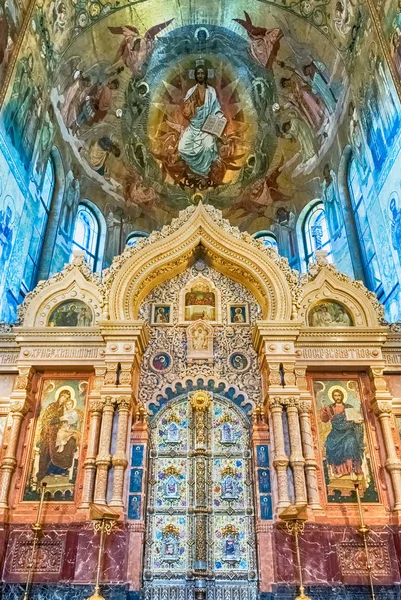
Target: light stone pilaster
(311, 465)
(297, 461)
(103, 459)
(95, 417)
(382, 406)
(119, 459)
(280, 458)
(19, 406)
(305, 409)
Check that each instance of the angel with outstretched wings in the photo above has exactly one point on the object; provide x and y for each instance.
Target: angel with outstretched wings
(135, 48)
(265, 43)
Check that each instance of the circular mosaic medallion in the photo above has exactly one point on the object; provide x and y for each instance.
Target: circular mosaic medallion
(161, 362)
(239, 362)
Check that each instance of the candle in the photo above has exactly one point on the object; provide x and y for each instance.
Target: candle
(42, 497)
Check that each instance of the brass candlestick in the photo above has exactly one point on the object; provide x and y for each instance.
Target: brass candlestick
(364, 530)
(294, 518)
(104, 520)
(37, 530)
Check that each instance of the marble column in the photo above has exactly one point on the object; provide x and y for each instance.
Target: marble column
(280, 459)
(297, 461)
(382, 407)
(19, 406)
(103, 459)
(305, 409)
(95, 412)
(119, 459)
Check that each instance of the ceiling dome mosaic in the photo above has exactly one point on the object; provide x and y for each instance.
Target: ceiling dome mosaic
(238, 103)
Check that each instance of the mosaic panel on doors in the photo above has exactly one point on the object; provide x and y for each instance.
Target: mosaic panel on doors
(173, 488)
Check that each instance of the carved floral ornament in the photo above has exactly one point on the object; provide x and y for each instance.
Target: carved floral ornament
(280, 292)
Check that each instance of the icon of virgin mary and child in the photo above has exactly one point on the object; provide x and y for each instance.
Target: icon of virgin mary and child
(59, 435)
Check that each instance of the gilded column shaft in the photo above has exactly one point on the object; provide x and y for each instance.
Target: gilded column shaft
(120, 460)
(297, 461)
(280, 460)
(103, 460)
(90, 461)
(200, 402)
(309, 454)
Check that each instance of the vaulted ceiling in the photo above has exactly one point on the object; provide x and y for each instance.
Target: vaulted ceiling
(119, 73)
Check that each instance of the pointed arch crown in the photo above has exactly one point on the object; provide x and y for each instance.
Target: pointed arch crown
(324, 283)
(169, 252)
(75, 282)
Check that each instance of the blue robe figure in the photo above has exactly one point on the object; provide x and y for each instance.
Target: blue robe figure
(197, 148)
(344, 444)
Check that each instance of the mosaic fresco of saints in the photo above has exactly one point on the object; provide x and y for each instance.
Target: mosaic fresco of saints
(57, 440)
(346, 456)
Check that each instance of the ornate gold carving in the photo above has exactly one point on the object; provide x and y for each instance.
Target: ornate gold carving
(200, 400)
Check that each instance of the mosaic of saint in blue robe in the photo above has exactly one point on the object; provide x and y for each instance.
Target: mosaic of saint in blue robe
(345, 443)
(198, 148)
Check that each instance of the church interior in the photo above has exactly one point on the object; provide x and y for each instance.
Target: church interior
(200, 299)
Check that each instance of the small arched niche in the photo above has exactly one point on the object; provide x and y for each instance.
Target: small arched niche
(329, 313)
(200, 299)
(71, 313)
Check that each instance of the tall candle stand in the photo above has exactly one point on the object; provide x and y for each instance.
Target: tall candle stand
(37, 530)
(364, 530)
(294, 518)
(104, 520)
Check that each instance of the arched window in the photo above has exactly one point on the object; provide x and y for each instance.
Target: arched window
(86, 234)
(134, 237)
(267, 237)
(359, 208)
(313, 232)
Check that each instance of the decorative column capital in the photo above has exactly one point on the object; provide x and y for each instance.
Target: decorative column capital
(276, 403)
(292, 403)
(19, 407)
(108, 403)
(23, 381)
(381, 407)
(96, 406)
(123, 403)
(305, 407)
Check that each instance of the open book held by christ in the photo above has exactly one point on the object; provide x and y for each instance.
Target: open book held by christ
(214, 125)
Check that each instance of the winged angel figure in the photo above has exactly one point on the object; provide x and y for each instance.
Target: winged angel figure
(264, 44)
(135, 48)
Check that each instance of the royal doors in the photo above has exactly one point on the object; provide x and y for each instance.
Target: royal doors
(200, 517)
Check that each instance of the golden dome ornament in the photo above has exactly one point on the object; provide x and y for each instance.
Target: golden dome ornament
(200, 400)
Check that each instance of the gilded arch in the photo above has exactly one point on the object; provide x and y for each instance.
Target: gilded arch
(165, 254)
